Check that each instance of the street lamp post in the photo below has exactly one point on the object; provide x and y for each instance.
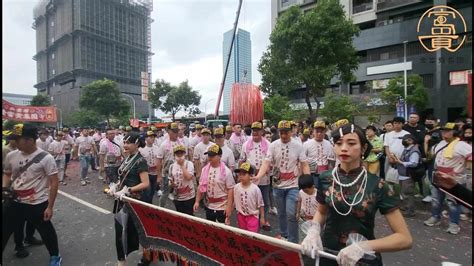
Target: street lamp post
(205, 109)
(60, 123)
(134, 114)
(405, 78)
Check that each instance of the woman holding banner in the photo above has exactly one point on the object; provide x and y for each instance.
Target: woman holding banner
(133, 182)
(348, 202)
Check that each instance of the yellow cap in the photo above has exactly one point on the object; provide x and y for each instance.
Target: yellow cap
(245, 167)
(214, 149)
(449, 126)
(150, 133)
(153, 128)
(341, 122)
(198, 126)
(206, 131)
(306, 131)
(256, 125)
(319, 124)
(218, 131)
(284, 125)
(178, 148)
(228, 128)
(173, 126)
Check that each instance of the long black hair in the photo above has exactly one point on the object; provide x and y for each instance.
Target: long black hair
(135, 137)
(351, 128)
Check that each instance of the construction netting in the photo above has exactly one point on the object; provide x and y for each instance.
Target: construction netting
(246, 105)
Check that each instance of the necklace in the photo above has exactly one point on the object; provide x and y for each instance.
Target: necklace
(127, 164)
(361, 190)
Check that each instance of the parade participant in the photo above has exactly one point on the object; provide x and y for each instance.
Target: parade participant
(319, 151)
(305, 136)
(97, 136)
(110, 158)
(295, 132)
(199, 156)
(289, 160)
(339, 214)
(43, 141)
(237, 139)
(182, 138)
(57, 149)
(150, 153)
(227, 154)
(459, 124)
(68, 149)
(119, 134)
(406, 164)
(85, 146)
(228, 134)
(165, 160)
(33, 176)
(10, 144)
(307, 203)
(182, 181)
(268, 136)
(94, 152)
(248, 200)
(254, 151)
(216, 187)
(133, 182)
(451, 155)
(195, 140)
(372, 163)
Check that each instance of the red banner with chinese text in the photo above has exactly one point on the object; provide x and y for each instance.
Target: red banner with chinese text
(205, 243)
(28, 113)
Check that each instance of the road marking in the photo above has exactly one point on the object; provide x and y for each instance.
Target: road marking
(99, 209)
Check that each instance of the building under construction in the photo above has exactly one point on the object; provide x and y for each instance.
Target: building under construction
(80, 41)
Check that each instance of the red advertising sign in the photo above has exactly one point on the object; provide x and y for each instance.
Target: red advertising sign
(28, 113)
(208, 243)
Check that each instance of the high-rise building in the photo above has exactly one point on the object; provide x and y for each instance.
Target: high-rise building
(385, 25)
(240, 65)
(78, 42)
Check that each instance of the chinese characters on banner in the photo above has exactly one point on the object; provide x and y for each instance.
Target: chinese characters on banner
(202, 243)
(14, 112)
(144, 83)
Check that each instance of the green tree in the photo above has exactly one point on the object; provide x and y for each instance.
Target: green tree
(83, 118)
(41, 100)
(104, 98)
(339, 106)
(171, 99)
(417, 94)
(277, 107)
(307, 50)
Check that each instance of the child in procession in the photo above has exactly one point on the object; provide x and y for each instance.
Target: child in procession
(181, 181)
(306, 205)
(248, 200)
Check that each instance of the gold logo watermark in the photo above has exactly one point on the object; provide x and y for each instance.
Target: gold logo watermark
(444, 26)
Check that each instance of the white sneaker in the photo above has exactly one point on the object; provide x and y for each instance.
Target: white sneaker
(445, 214)
(273, 211)
(101, 177)
(463, 217)
(418, 196)
(401, 197)
(159, 193)
(427, 199)
(453, 229)
(88, 181)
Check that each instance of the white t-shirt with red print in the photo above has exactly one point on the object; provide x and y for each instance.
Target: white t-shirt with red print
(455, 166)
(184, 189)
(308, 204)
(58, 149)
(256, 156)
(248, 200)
(150, 153)
(319, 154)
(285, 159)
(32, 186)
(217, 188)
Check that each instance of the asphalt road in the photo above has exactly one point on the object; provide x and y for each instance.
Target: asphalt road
(86, 234)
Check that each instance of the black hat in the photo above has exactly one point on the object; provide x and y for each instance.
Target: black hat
(213, 150)
(25, 131)
(409, 136)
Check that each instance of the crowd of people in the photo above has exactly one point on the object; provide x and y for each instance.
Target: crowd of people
(333, 176)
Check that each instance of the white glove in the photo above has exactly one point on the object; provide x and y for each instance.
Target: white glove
(351, 254)
(112, 188)
(124, 192)
(312, 242)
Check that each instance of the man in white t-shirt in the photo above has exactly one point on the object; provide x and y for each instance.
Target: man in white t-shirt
(110, 157)
(43, 142)
(85, 146)
(319, 151)
(68, 149)
(36, 187)
(254, 151)
(393, 141)
(227, 154)
(451, 156)
(237, 139)
(165, 159)
(289, 160)
(199, 156)
(218, 184)
(150, 153)
(58, 149)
